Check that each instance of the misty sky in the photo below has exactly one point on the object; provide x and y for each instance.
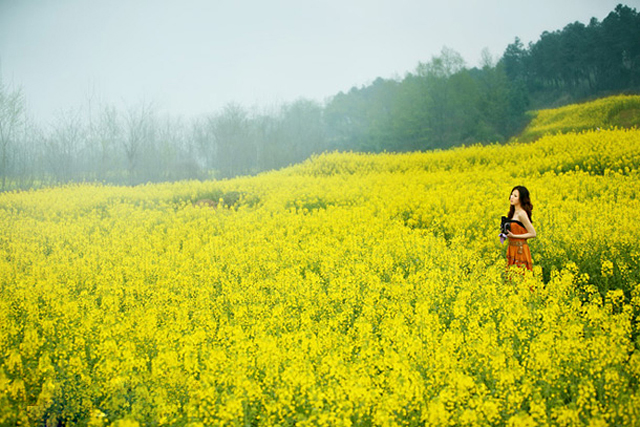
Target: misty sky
(191, 57)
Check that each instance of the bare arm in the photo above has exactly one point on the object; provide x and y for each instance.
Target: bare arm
(531, 232)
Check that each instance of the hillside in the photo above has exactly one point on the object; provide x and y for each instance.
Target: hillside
(351, 289)
(621, 111)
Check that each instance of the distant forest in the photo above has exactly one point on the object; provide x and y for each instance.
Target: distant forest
(442, 103)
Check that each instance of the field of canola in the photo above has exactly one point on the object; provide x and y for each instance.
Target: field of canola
(351, 290)
(614, 111)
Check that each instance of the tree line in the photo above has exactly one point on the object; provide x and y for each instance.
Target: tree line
(442, 103)
(580, 61)
(137, 145)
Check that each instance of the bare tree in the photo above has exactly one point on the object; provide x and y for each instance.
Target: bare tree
(105, 133)
(139, 131)
(12, 112)
(235, 142)
(28, 156)
(175, 151)
(63, 146)
(203, 142)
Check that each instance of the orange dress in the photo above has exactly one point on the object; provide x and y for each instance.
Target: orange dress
(518, 250)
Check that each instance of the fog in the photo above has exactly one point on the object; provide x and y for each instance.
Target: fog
(127, 92)
(193, 57)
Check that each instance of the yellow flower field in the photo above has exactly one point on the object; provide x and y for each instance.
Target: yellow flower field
(613, 111)
(350, 290)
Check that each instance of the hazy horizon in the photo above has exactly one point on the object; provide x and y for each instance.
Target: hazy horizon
(192, 58)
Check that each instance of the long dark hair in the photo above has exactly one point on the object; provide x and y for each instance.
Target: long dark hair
(525, 201)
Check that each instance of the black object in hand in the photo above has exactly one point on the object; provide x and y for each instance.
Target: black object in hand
(505, 224)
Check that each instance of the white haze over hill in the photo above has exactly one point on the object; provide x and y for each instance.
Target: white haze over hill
(192, 57)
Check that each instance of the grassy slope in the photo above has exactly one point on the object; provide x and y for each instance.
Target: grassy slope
(621, 111)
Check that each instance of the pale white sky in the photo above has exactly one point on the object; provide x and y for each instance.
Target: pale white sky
(191, 57)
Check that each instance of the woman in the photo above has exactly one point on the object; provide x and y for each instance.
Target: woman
(518, 251)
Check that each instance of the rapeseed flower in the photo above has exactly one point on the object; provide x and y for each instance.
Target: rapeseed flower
(352, 289)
